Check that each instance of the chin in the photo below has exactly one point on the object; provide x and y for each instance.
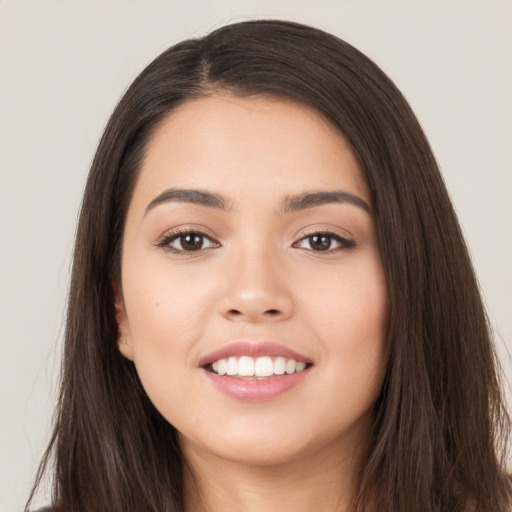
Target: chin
(249, 452)
(266, 444)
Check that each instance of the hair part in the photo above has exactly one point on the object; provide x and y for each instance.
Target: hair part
(439, 439)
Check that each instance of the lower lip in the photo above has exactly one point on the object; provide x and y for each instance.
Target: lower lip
(256, 389)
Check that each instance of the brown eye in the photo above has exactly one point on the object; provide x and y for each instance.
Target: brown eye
(320, 242)
(187, 242)
(324, 242)
(191, 242)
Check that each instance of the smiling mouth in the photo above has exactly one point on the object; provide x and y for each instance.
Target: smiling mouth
(255, 368)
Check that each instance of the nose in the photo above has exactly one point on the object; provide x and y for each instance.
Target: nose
(257, 290)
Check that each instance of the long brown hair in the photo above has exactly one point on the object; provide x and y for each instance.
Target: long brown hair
(439, 439)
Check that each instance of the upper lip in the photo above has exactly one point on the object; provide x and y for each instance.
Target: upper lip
(251, 349)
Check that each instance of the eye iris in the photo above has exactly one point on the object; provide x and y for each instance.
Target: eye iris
(320, 242)
(191, 242)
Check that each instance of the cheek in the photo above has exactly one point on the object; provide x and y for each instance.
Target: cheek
(350, 313)
(163, 303)
(164, 324)
(350, 302)
(163, 311)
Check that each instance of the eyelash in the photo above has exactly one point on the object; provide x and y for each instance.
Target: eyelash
(344, 243)
(181, 233)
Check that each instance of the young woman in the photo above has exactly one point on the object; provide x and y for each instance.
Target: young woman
(272, 306)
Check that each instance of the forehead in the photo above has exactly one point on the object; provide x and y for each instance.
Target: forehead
(245, 146)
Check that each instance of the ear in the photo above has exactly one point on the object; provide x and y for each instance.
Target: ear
(124, 340)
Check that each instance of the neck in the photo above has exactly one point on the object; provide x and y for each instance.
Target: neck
(319, 481)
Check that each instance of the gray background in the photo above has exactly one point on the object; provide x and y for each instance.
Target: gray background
(63, 66)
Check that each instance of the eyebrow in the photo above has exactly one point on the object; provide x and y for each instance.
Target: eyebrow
(193, 196)
(312, 199)
(290, 204)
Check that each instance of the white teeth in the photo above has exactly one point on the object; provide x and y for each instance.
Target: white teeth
(223, 364)
(291, 366)
(232, 368)
(259, 367)
(264, 367)
(246, 366)
(300, 366)
(279, 365)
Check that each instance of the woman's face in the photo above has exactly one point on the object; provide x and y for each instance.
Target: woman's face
(249, 246)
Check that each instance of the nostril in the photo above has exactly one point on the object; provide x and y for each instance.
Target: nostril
(253, 315)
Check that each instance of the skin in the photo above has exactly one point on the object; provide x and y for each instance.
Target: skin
(257, 277)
